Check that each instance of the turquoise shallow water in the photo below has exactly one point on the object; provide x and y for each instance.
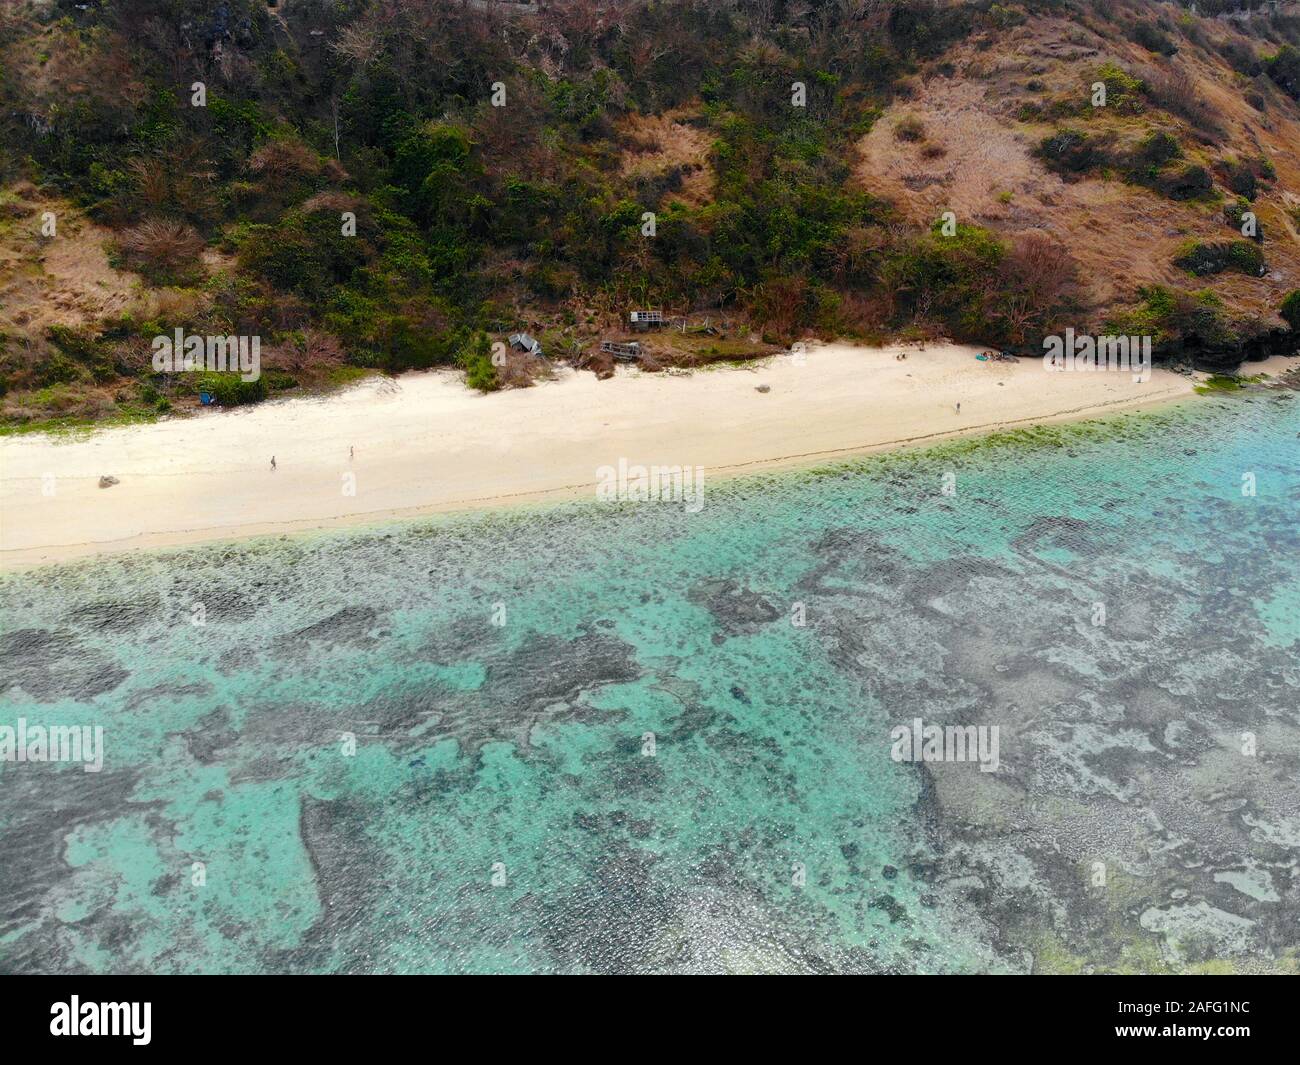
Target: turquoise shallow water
(502, 808)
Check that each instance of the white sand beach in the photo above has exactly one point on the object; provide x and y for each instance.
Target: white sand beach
(424, 442)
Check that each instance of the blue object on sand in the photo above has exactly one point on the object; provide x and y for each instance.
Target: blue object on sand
(205, 398)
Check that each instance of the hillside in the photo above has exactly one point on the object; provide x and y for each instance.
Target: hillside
(386, 186)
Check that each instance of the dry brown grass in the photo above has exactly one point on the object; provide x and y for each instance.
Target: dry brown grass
(87, 403)
(168, 305)
(1120, 236)
(654, 145)
(332, 201)
(1178, 91)
(66, 280)
(163, 250)
(284, 159)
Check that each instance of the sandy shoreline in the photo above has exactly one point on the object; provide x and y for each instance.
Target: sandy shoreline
(424, 443)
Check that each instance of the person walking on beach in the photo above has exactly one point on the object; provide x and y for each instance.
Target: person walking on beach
(272, 462)
(958, 408)
(351, 452)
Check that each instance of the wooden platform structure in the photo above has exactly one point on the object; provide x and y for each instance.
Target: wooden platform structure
(646, 319)
(626, 352)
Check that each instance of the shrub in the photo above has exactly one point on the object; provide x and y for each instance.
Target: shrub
(1290, 310)
(1284, 69)
(78, 353)
(1123, 90)
(1006, 17)
(283, 171)
(304, 253)
(1240, 56)
(947, 279)
(1156, 149)
(1171, 316)
(1037, 280)
(1069, 151)
(1153, 39)
(1240, 178)
(553, 280)
(1234, 213)
(164, 251)
(58, 369)
(1186, 182)
(476, 359)
(282, 160)
(909, 128)
(1200, 259)
(229, 389)
(925, 26)
(784, 305)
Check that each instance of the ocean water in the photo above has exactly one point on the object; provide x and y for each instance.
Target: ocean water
(626, 738)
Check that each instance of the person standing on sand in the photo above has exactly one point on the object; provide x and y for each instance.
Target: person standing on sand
(272, 462)
(958, 408)
(351, 452)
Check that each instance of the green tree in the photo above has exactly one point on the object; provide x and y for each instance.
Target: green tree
(476, 358)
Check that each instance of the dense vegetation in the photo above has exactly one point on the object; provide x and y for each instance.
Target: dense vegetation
(475, 219)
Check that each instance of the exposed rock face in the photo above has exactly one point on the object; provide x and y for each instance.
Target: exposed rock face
(1228, 358)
